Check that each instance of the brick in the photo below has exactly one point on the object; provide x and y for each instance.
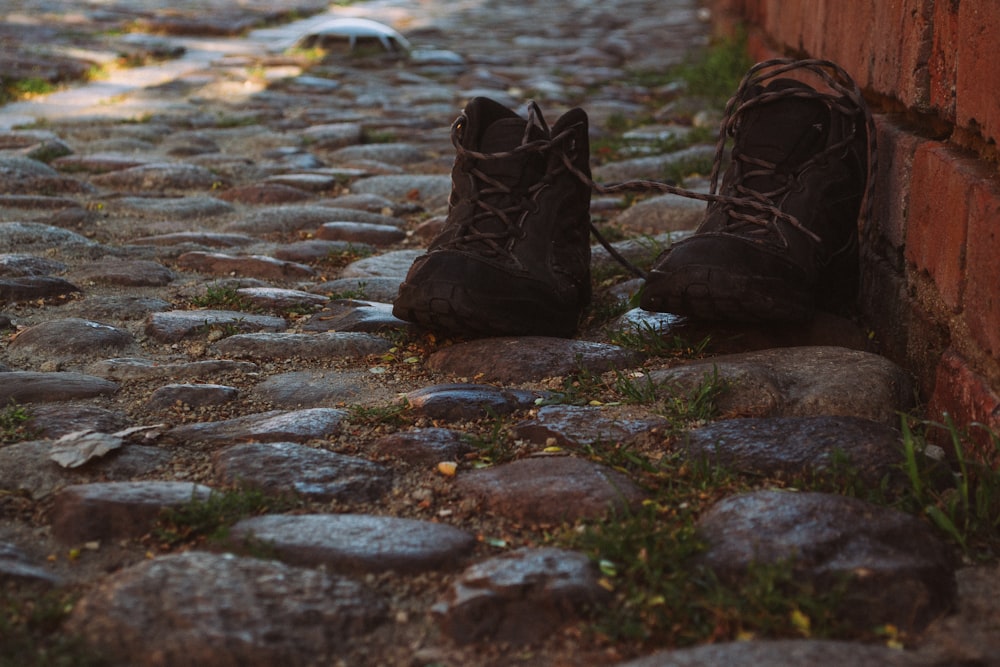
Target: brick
(982, 302)
(843, 30)
(903, 33)
(896, 148)
(885, 306)
(943, 63)
(967, 398)
(784, 23)
(937, 226)
(978, 76)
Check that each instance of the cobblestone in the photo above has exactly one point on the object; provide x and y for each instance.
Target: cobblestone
(206, 245)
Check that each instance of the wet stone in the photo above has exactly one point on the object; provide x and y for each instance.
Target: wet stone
(147, 369)
(360, 232)
(158, 177)
(331, 136)
(801, 382)
(365, 202)
(524, 358)
(194, 395)
(311, 182)
(26, 467)
(132, 273)
(314, 388)
(566, 425)
(379, 289)
(259, 266)
(271, 426)
(31, 288)
(390, 153)
(458, 401)
(322, 345)
(117, 306)
(34, 236)
(293, 217)
(18, 566)
(286, 467)
(18, 167)
(783, 653)
(318, 250)
(280, 299)
(211, 239)
(37, 387)
(641, 252)
(654, 166)
(262, 612)
(797, 445)
(395, 263)
(968, 635)
(897, 570)
(354, 315)
(44, 203)
(180, 208)
(174, 325)
(520, 597)
(98, 163)
(113, 510)
(662, 214)
(69, 338)
(430, 190)
(550, 489)
(640, 320)
(21, 139)
(359, 543)
(264, 193)
(423, 446)
(56, 420)
(19, 265)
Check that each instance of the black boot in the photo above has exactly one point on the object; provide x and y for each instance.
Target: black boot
(514, 255)
(783, 239)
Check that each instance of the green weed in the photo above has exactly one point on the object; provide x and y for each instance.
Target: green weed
(664, 595)
(14, 420)
(338, 259)
(392, 414)
(19, 89)
(684, 406)
(31, 635)
(210, 518)
(225, 298)
(370, 136)
(495, 444)
(648, 339)
(716, 72)
(967, 510)
(582, 387)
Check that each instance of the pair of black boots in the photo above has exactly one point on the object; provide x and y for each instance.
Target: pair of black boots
(777, 242)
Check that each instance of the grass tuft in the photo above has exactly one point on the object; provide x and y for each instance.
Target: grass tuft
(14, 424)
(716, 72)
(966, 508)
(209, 519)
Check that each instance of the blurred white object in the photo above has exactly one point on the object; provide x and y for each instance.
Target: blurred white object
(354, 29)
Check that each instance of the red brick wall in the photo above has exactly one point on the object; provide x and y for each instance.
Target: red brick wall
(931, 72)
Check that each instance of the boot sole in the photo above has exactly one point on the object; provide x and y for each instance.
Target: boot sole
(716, 293)
(450, 306)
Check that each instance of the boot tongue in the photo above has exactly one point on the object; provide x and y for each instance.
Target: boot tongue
(786, 132)
(502, 136)
(506, 134)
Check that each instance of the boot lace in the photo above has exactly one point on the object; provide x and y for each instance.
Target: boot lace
(498, 202)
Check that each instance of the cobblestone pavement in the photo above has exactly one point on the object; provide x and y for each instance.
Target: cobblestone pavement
(198, 254)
